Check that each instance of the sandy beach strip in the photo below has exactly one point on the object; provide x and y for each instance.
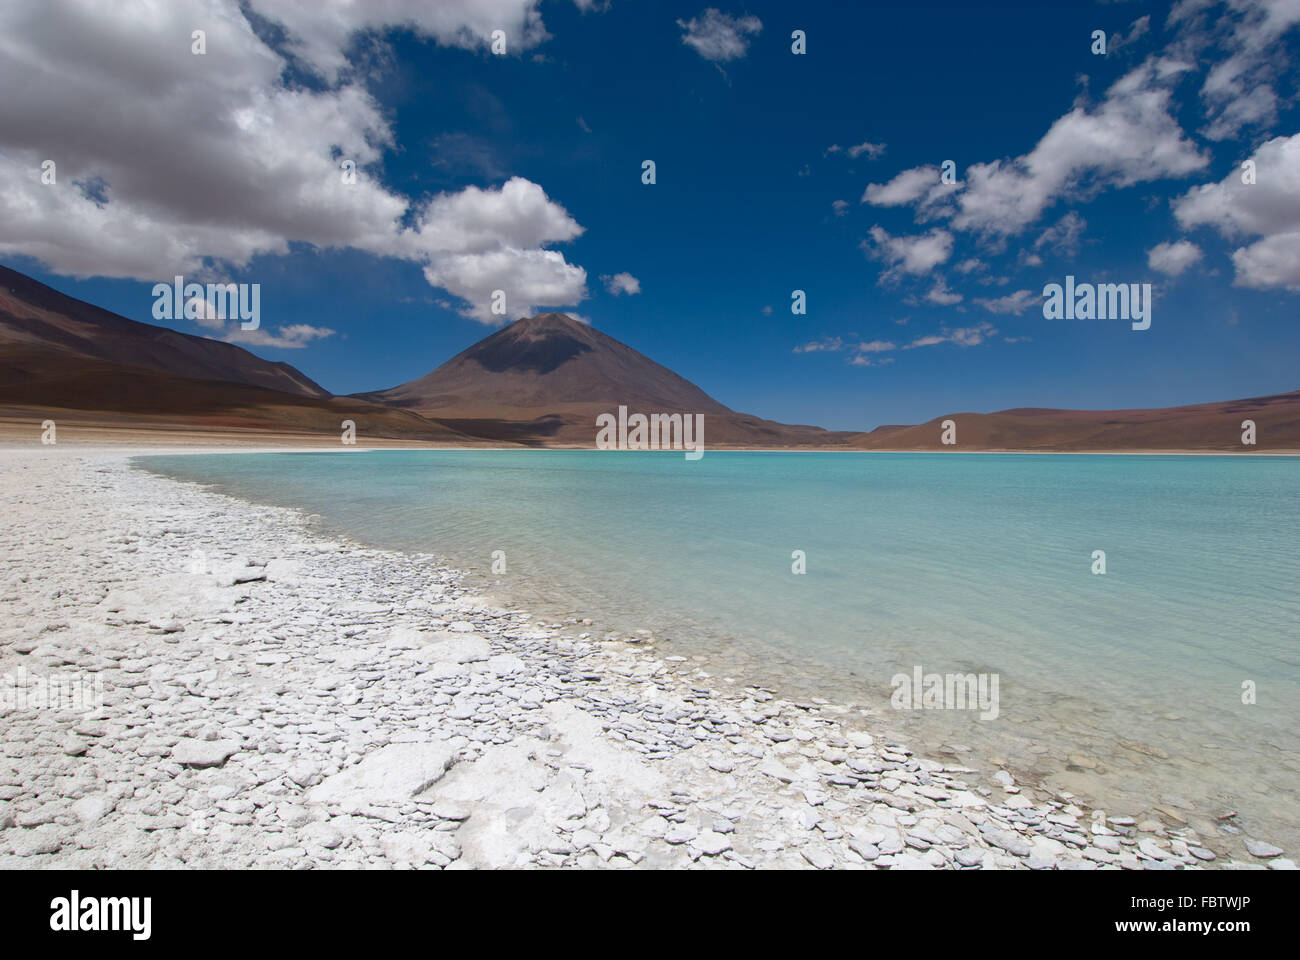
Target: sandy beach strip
(265, 697)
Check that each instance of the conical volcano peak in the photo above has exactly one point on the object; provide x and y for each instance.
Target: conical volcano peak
(539, 344)
(549, 363)
(545, 325)
(549, 320)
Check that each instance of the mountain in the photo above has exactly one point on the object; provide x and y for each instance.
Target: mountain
(33, 315)
(60, 355)
(546, 378)
(1205, 426)
(542, 380)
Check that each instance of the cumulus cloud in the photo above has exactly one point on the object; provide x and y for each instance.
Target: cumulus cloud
(941, 295)
(906, 188)
(622, 283)
(828, 345)
(961, 336)
(719, 37)
(210, 316)
(862, 354)
(1173, 258)
(1245, 41)
(1268, 209)
(876, 346)
(915, 255)
(1130, 137)
(1063, 237)
(1013, 303)
(1118, 42)
(257, 163)
(518, 214)
(319, 30)
(292, 337)
(530, 279)
(872, 151)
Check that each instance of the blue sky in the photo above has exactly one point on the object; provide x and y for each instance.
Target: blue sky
(921, 299)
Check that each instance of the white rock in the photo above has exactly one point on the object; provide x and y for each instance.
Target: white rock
(92, 808)
(203, 753)
(1258, 848)
(711, 844)
(393, 773)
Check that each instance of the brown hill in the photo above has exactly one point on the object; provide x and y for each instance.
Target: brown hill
(1205, 426)
(546, 378)
(70, 361)
(33, 314)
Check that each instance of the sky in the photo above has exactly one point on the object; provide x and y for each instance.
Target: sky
(522, 170)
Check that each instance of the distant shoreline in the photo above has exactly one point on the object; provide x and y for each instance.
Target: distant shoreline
(26, 436)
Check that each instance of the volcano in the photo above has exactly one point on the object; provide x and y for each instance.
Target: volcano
(545, 379)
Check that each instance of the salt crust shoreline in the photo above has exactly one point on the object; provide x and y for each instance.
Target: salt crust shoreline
(308, 703)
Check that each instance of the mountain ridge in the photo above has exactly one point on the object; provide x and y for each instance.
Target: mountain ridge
(34, 313)
(539, 381)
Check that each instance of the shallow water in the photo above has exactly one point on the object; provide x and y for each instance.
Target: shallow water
(1123, 688)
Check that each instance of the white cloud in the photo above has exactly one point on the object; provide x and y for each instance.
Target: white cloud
(1063, 237)
(1139, 29)
(206, 314)
(906, 188)
(961, 336)
(1173, 258)
(530, 279)
(1129, 138)
(1244, 40)
(622, 283)
(828, 345)
(293, 337)
(873, 151)
(864, 354)
(719, 37)
(319, 30)
(518, 214)
(1269, 264)
(841, 207)
(1268, 209)
(261, 171)
(941, 295)
(916, 255)
(1013, 303)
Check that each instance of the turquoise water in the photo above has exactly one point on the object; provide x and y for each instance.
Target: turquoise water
(1123, 688)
